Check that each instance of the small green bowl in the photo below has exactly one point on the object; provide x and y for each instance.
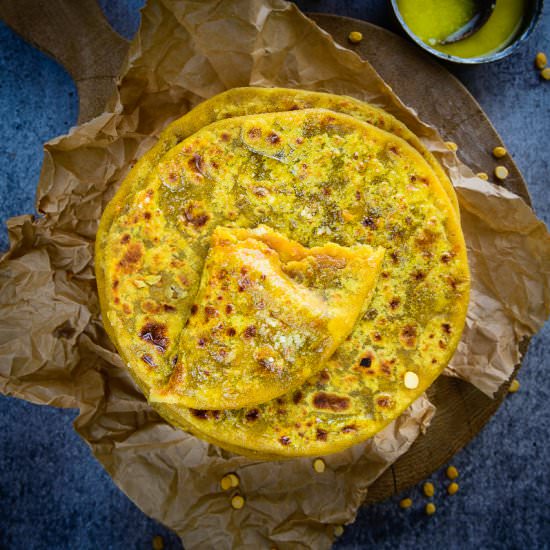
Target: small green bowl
(528, 24)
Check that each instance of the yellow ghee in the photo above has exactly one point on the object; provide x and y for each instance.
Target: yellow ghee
(434, 20)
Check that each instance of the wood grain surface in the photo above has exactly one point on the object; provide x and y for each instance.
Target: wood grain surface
(76, 34)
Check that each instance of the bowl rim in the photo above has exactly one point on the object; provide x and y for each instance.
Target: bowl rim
(487, 58)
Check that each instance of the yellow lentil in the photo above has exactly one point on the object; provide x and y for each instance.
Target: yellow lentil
(499, 152)
(540, 60)
(355, 37)
(430, 508)
(545, 73)
(411, 380)
(319, 465)
(338, 531)
(225, 483)
(452, 488)
(514, 386)
(158, 543)
(501, 172)
(229, 481)
(452, 472)
(237, 502)
(429, 489)
(451, 145)
(406, 503)
(482, 176)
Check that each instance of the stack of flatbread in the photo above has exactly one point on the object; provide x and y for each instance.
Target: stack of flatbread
(284, 273)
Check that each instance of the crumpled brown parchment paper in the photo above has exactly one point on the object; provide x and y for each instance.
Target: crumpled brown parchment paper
(53, 349)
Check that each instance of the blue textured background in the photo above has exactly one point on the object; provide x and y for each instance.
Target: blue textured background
(53, 493)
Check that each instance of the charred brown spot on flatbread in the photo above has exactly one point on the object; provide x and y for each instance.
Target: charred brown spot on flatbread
(273, 138)
(366, 361)
(408, 336)
(321, 435)
(369, 222)
(195, 215)
(155, 333)
(210, 312)
(196, 163)
(394, 303)
(331, 401)
(297, 396)
(254, 133)
(131, 257)
(202, 415)
(385, 401)
(148, 360)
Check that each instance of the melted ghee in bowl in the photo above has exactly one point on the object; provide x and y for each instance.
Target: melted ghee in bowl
(434, 20)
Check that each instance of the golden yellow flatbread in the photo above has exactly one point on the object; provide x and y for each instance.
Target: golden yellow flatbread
(268, 314)
(318, 178)
(255, 100)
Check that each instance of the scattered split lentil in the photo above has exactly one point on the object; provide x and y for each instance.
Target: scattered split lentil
(501, 172)
(229, 481)
(237, 502)
(499, 152)
(483, 176)
(545, 73)
(452, 488)
(451, 145)
(540, 60)
(514, 386)
(158, 543)
(355, 37)
(319, 465)
(225, 483)
(452, 472)
(430, 508)
(338, 531)
(429, 489)
(405, 503)
(411, 380)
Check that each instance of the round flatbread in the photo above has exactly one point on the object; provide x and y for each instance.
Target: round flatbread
(255, 100)
(316, 177)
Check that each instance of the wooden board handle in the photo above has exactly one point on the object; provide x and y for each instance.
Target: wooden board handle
(77, 35)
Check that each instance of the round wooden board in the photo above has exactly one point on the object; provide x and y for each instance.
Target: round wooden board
(77, 35)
